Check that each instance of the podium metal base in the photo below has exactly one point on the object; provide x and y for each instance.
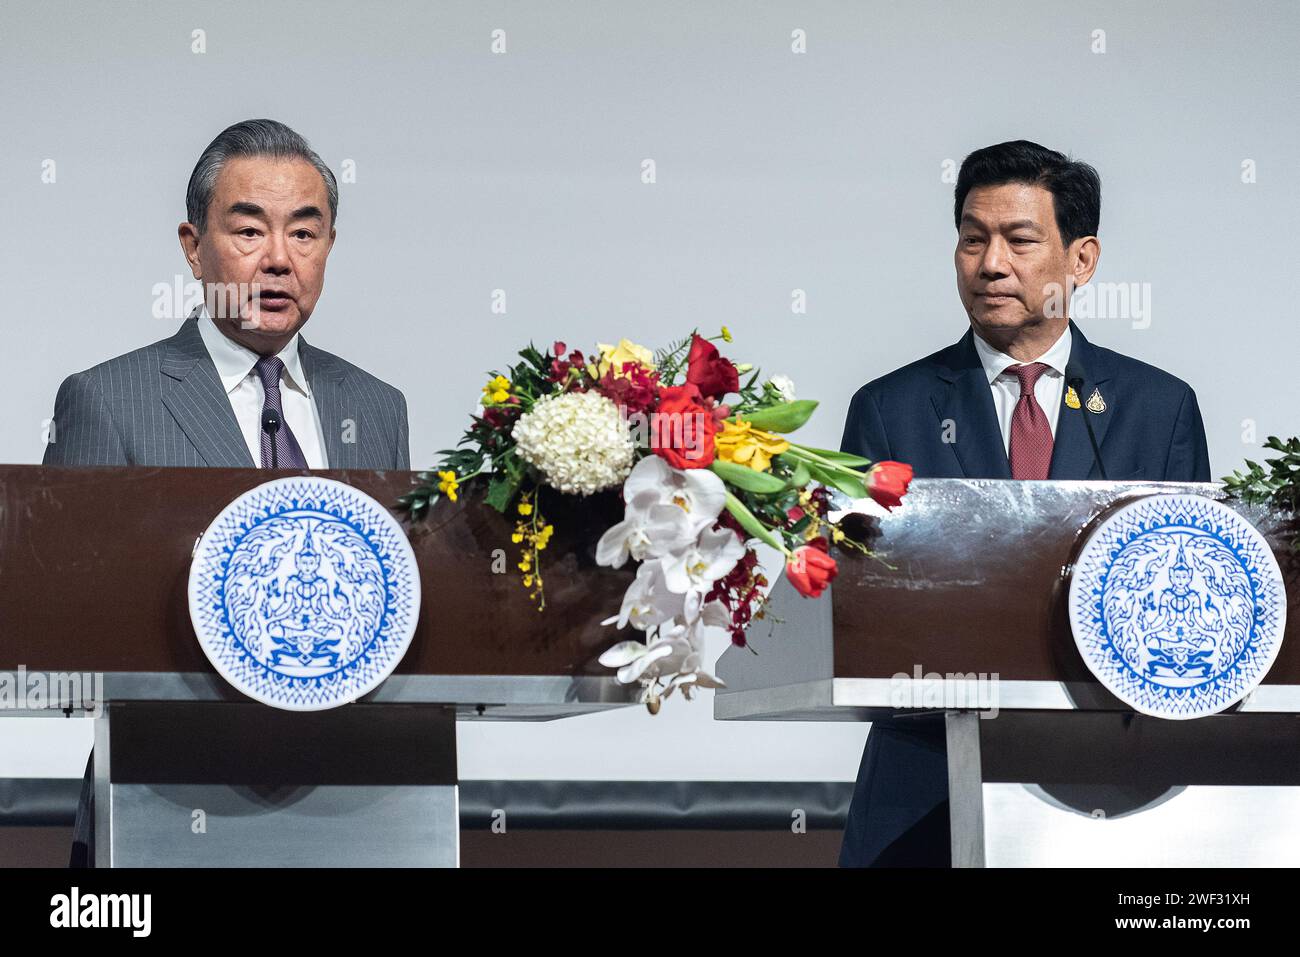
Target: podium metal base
(1098, 776)
(240, 785)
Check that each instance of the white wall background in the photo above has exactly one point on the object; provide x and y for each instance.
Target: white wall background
(820, 171)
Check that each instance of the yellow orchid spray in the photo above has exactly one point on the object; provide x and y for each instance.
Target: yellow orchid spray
(534, 533)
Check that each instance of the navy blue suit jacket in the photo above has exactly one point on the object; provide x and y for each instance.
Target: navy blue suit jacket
(1151, 428)
(937, 415)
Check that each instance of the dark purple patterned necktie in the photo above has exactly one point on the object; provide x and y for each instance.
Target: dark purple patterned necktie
(1031, 433)
(287, 451)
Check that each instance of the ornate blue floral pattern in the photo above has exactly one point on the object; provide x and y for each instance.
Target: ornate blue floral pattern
(1177, 605)
(304, 593)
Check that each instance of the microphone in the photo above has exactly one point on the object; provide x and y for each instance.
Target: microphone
(1074, 379)
(271, 425)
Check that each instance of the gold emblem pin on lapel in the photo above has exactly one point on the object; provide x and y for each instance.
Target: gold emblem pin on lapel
(1071, 398)
(1096, 403)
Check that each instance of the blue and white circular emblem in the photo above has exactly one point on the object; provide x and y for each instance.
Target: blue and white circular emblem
(1177, 605)
(304, 593)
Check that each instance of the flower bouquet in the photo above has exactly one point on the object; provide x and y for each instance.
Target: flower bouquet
(707, 471)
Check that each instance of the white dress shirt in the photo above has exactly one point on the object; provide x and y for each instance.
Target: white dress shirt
(1048, 390)
(244, 389)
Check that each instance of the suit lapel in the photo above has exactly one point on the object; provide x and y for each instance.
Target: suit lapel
(335, 406)
(965, 399)
(1072, 456)
(192, 393)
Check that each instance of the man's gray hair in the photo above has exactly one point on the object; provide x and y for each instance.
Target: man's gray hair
(250, 138)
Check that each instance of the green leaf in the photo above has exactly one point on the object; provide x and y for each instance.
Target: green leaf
(850, 486)
(501, 489)
(800, 477)
(839, 458)
(752, 525)
(742, 476)
(785, 417)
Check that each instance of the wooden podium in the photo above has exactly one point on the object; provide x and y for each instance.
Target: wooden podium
(979, 588)
(94, 565)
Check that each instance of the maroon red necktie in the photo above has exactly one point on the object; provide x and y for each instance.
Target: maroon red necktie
(1031, 433)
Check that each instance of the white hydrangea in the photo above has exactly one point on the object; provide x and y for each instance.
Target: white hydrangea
(577, 440)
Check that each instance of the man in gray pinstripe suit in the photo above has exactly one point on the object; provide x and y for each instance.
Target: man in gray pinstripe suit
(237, 386)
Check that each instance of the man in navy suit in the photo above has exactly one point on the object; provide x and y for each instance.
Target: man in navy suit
(1011, 400)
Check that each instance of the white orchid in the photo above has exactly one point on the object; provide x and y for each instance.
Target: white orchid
(668, 526)
(648, 601)
(697, 566)
(649, 528)
(636, 661)
(666, 509)
(689, 680)
(676, 650)
(697, 492)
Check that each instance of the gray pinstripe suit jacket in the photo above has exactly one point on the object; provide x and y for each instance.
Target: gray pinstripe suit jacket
(165, 405)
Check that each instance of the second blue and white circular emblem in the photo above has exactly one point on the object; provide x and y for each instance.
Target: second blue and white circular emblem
(304, 593)
(1177, 605)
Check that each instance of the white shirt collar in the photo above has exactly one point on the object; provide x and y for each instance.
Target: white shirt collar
(996, 362)
(234, 362)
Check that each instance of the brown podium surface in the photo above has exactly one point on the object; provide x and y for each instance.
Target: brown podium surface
(95, 563)
(973, 579)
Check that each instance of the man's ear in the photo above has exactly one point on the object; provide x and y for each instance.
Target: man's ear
(189, 237)
(1084, 254)
(333, 234)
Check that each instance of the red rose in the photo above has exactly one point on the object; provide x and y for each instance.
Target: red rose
(810, 570)
(887, 482)
(682, 428)
(713, 375)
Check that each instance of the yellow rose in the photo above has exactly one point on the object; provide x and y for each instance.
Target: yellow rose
(615, 356)
(742, 444)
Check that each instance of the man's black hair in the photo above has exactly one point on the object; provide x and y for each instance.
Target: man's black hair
(1074, 185)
